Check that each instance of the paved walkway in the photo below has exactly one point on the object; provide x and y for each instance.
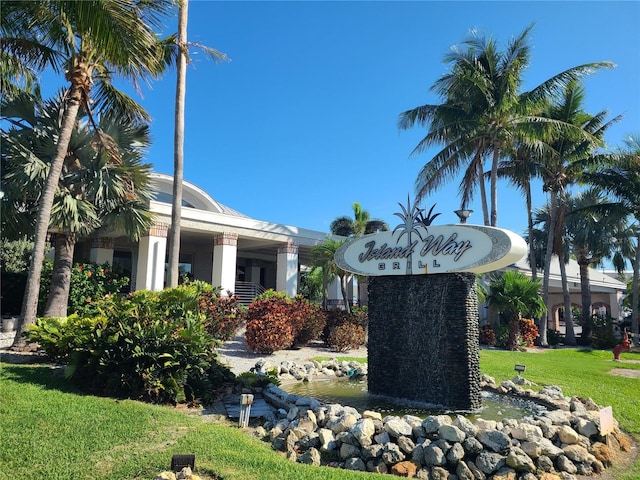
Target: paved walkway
(239, 358)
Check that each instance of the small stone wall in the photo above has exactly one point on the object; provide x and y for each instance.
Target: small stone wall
(555, 445)
(423, 339)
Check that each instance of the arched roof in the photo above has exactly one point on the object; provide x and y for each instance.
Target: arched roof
(192, 196)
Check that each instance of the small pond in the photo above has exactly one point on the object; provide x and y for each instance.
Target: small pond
(354, 394)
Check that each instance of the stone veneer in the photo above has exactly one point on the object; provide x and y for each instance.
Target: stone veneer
(423, 339)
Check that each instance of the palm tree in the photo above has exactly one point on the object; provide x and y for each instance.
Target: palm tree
(92, 40)
(621, 178)
(520, 168)
(482, 114)
(323, 256)
(94, 191)
(596, 230)
(178, 47)
(539, 237)
(359, 225)
(515, 294)
(570, 154)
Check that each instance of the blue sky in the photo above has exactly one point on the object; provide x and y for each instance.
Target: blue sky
(302, 121)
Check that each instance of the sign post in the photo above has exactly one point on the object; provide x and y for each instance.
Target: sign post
(423, 308)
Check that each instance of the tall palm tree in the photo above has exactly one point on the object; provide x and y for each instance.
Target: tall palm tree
(571, 152)
(178, 146)
(596, 230)
(515, 294)
(540, 238)
(178, 48)
(621, 177)
(482, 114)
(520, 168)
(93, 192)
(93, 39)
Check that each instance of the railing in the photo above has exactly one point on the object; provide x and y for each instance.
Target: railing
(247, 291)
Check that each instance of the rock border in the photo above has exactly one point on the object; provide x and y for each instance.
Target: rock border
(557, 444)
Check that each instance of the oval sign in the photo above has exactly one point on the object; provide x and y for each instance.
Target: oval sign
(432, 249)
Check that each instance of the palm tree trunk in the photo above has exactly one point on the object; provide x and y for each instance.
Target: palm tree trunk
(325, 288)
(569, 336)
(178, 146)
(30, 299)
(532, 249)
(483, 194)
(553, 213)
(58, 298)
(343, 290)
(494, 186)
(585, 289)
(635, 293)
(514, 332)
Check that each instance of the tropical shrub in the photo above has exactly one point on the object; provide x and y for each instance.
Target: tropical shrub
(502, 336)
(61, 337)
(258, 380)
(149, 346)
(308, 320)
(270, 332)
(515, 295)
(346, 330)
(90, 282)
(357, 316)
(554, 337)
(15, 255)
(223, 314)
(528, 331)
(487, 335)
(275, 322)
(602, 333)
(345, 337)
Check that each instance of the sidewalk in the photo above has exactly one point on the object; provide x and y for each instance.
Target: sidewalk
(236, 354)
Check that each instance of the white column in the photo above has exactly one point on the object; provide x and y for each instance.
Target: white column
(101, 250)
(615, 304)
(225, 253)
(151, 258)
(287, 270)
(334, 299)
(253, 274)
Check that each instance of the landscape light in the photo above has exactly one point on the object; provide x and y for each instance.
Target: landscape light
(178, 462)
(463, 215)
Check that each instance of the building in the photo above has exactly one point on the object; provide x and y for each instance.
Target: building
(217, 244)
(606, 291)
(246, 256)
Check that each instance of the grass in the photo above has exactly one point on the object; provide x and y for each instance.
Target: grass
(50, 430)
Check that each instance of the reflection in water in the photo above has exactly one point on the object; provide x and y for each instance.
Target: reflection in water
(354, 394)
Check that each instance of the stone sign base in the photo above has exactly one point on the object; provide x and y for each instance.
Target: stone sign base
(423, 339)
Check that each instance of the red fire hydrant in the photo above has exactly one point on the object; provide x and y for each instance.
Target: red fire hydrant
(623, 346)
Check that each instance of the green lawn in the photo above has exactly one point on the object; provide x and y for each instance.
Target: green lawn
(49, 430)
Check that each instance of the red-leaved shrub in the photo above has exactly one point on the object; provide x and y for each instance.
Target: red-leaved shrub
(223, 315)
(308, 320)
(345, 337)
(528, 332)
(487, 335)
(298, 322)
(269, 333)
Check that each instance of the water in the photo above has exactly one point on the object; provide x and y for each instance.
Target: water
(354, 394)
